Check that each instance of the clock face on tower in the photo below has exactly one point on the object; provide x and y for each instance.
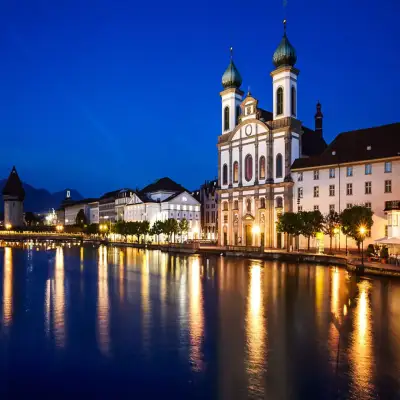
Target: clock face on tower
(248, 130)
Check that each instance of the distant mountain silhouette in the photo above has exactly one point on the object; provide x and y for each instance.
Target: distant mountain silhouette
(39, 200)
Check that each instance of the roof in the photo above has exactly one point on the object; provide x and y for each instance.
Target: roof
(312, 143)
(358, 145)
(77, 202)
(164, 184)
(266, 115)
(13, 186)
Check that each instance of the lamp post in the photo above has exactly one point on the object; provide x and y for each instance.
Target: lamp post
(336, 232)
(362, 231)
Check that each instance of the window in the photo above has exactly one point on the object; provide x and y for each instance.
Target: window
(300, 193)
(225, 174)
(300, 177)
(279, 171)
(331, 173)
(235, 171)
(368, 169)
(262, 167)
(331, 207)
(225, 219)
(299, 208)
(316, 191)
(225, 206)
(279, 101)
(207, 217)
(316, 208)
(368, 188)
(226, 118)
(279, 202)
(262, 202)
(349, 205)
(331, 190)
(388, 166)
(368, 205)
(349, 171)
(386, 230)
(248, 167)
(349, 189)
(212, 216)
(293, 100)
(316, 175)
(248, 205)
(388, 186)
(237, 114)
(236, 205)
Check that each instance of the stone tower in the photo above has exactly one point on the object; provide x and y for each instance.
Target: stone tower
(13, 196)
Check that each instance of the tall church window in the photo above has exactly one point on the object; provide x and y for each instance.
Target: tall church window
(235, 171)
(262, 202)
(262, 167)
(248, 167)
(279, 166)
(248, 205)
(226, 118)
(237, 114)
(293, 100)
(225, 174)
(279, 101)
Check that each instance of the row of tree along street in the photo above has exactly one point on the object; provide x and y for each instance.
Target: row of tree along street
(309, 223)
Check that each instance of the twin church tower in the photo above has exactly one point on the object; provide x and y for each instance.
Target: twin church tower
(256, 149)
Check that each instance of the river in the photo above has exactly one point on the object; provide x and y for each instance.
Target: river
(100, 322)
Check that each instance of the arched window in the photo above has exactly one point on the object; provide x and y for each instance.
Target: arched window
(279, 171)
(225, 174)
(237, 114)
(293, 100)
(226, 118)
(236, 205)
(279, 101)
(279, 202)
(235, 171)
(225, 206)
(248, 205)
(262, 167)
(248, 167)
(262, 202)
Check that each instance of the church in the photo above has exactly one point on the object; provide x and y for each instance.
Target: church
(256, 149)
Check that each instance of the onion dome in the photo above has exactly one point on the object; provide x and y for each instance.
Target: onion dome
(231, 77)
(285, 54)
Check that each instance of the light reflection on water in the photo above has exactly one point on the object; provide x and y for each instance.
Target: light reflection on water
(228, 328)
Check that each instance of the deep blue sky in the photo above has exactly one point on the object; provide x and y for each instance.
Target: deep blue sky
(103, 94)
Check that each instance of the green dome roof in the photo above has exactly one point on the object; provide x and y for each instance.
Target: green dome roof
(231, 77)
(285, 54)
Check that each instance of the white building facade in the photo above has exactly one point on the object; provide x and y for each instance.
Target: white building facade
(256, 149)
(358, 168)
(162, 200)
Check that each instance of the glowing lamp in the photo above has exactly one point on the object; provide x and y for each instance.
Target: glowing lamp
(256, 229)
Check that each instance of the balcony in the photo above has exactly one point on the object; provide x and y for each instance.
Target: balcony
(392, 205)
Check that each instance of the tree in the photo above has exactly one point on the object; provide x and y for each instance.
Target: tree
(157, 229)
(352, 219)
(31, 219)
(290, 223)
(183, 227)
(331, 224)
(170, 227)
(92, 229)
(311, 223)
(121, 228)
(81, 219)
(144, 229)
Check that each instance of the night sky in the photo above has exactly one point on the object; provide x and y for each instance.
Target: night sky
(102, 94)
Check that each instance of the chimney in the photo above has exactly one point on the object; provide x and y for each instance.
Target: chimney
(318, 120)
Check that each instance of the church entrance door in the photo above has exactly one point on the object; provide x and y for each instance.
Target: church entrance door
(249, 236)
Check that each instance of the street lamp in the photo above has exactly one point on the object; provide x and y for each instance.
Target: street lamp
(8, 226)
(256, 230)
(362, 231)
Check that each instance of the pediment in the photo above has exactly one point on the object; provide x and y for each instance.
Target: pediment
(184, 198)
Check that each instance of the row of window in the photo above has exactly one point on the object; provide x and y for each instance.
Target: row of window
(349, 189)
(349, 171)
(279, 101)
(213, 217)
(248, 169)
(278, 204)
(212, 205)
(332, 206)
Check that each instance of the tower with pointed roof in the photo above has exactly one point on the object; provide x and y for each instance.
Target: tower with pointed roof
(231, 97)
(284, 79)
(13, 197)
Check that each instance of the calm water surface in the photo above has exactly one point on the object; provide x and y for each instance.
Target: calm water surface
(112, 323)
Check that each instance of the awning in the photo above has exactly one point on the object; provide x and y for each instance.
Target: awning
(386, 240)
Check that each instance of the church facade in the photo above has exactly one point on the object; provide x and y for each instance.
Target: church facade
(256, 149)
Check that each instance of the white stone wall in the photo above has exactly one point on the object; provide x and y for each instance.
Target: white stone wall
(340, 200)
(285, 79)
(13, 213)
(231, 100)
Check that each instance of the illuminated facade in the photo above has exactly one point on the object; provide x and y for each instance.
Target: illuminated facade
(13, 196)
(256, 149)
